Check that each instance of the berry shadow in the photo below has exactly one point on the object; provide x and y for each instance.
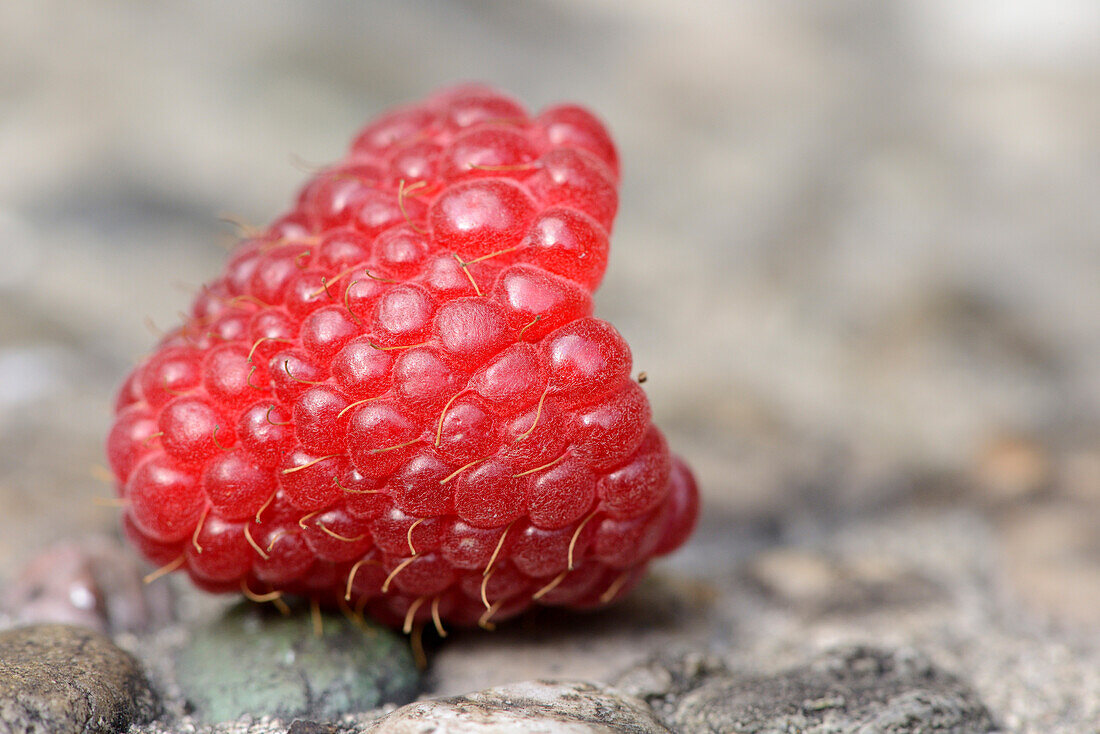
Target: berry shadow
(659, 604)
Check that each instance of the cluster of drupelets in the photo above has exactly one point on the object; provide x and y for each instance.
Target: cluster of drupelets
(396, 399)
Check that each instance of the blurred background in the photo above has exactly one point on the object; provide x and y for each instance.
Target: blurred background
(858, 248)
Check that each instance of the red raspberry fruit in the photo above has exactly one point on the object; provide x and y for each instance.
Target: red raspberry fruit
(396, 397)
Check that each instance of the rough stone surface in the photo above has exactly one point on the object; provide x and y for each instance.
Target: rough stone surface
(311, 727)
(846, 691)
(61, 679)
(548, 707)
(256, 662)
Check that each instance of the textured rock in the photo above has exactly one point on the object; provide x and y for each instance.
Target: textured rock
(548, 707)
(310, 727)
(666, 678)
(56, 679)
(850, 691)
(251, 661)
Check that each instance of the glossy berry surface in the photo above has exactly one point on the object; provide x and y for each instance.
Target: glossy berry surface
(396, 397)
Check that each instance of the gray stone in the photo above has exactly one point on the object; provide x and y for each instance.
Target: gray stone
(548, 707)
(251, 661)
(56, 679)
(665, 678)
(856, 690)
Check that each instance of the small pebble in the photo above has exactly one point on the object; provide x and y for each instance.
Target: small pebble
(57, 679)
(254, 661)
(547, 707)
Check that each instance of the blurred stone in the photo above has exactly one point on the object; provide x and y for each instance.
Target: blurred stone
(550, 707)
(58, 586)
(846, 691)
(792, 575)
(818, 584)
(1052, 554)
(59, 679)
(94, 582)
(1080, 475)
(253, 661)
(1012, 468)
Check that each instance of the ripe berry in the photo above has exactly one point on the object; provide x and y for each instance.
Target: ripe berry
(396, 396)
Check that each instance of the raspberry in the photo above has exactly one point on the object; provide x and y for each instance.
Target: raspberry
(396, 397)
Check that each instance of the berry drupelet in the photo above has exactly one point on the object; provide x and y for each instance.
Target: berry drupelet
(396, 397)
